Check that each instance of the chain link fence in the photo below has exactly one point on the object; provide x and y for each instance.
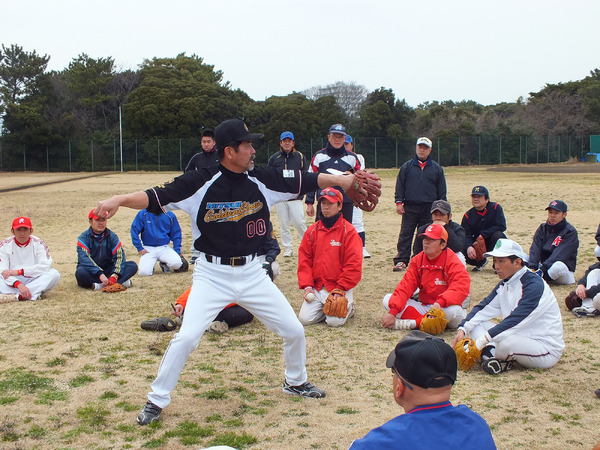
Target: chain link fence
(379, 152)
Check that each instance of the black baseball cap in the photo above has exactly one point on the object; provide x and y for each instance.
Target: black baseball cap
(424, 360)
(558, 205)
(480, 190)
(234, 130)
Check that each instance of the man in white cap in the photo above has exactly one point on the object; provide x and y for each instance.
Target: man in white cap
(530, 331)
(420, 182)
(290, 212)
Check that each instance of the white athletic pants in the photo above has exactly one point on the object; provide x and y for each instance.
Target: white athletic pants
(593, 279)
(164, 253)
(290, 211)
(454, 314)
(312, 312)
(215, 286)
(526, 351)
(37, 285)
(560, 273)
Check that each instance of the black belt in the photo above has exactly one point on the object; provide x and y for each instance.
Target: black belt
(233, 261)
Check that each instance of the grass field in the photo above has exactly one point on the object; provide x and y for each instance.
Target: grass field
(75, 367)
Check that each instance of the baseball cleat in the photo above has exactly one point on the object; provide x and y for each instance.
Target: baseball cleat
(399, 267)
(495, 366)
(148, 414)
(598, 393)
(164, 267)
(366, 254)
(97, 286)
(583, 311)
(480, 267)
(127, 284)
(304, 390)
(288, 252)
(405, 324)
(218, 327)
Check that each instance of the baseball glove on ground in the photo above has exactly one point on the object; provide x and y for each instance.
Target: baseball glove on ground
(115, 287)
(573, 301)
(365, 190)
(479, 247)
(434, 321)
(159, 324)
(467, 353)
(184, 265)
(336, 307)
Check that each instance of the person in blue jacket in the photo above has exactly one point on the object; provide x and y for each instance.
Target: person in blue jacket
(157, 231)
(424, 370)
(101, 258)
(553, 252)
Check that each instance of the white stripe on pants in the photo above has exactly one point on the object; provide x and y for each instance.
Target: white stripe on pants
(290, 211)
(214, 287)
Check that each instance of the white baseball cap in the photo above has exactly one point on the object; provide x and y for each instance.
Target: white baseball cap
(506, 247)
(424, 140)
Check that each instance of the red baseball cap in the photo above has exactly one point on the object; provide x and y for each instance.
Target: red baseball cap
(436, 231)
(21, 222)
(331, 194)
(91, 215)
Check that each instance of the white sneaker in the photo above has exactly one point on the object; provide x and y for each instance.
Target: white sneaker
(366, 254)
(127, 283)
(288, 252)
(8, 298)
(97, 287)
(218, 327)
(405, 324)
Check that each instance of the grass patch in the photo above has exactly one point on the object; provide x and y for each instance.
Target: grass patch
(234, 440)
(8, 400)
(190, 433)
(109, 395)
(21, 380)
(56, 362)
(49, 397)
(36, 432)
(80, 380)
(127, 406)
(346, 410)
(215, 394)
(93, 415)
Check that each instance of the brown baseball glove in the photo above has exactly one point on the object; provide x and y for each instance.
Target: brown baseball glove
(336, 307)
(365, 190)
(480, 249)
(573, 301)
(115, 287)
(467, 353)
(434, 321)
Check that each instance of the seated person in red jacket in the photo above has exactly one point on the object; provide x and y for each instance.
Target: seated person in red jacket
(329, 257)
(441, 278)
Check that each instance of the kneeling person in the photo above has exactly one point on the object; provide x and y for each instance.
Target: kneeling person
(530, 332)
(329, 262)
(441, 278)
(25, 264)
(553, 252)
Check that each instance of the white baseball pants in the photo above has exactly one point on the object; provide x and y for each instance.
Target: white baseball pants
(164, 253)
(560, 273)
(454, 314)
(290, 212)
(215, 286)
(37, 285)
(526, 351)
(593, 279)
(312, 312)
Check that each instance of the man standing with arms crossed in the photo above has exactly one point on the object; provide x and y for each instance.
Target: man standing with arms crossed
(231, 204)
(291, 211)
(420, 182)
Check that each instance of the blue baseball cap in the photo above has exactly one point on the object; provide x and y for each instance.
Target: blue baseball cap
(287, 134)
(348, 139)
(558, 205)
(338, 128)
(480, 190)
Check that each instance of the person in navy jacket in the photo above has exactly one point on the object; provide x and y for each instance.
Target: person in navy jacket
(553, 252)
(424, 370)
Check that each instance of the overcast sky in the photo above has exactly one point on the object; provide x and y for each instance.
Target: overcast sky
(482, 50)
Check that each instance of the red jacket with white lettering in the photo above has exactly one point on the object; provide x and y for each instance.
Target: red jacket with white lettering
(443, 279)
(330, 257)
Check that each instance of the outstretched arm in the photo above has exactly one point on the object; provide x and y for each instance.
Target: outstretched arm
(108, 208)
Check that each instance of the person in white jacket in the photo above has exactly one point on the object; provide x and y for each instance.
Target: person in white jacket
(530, 331)
(25, 264)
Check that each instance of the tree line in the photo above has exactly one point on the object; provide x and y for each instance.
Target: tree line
(176, 98)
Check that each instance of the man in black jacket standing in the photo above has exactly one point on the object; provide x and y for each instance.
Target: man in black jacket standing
(553, 252)
(420, 182)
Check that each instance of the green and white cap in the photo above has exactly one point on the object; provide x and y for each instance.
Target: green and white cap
(506, 247)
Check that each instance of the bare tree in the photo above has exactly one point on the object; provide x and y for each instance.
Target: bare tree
(348, 95)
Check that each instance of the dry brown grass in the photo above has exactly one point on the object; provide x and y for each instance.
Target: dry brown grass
(100, 363)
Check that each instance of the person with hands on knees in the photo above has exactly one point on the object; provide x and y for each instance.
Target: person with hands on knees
(443, 284)
(25, 265)
(157, 231)
(424, 370)
(101, 258)
(553, 252)
(329, 264)
(530, 331)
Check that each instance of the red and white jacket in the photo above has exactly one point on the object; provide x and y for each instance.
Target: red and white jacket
(443, 280)
(330, 258)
